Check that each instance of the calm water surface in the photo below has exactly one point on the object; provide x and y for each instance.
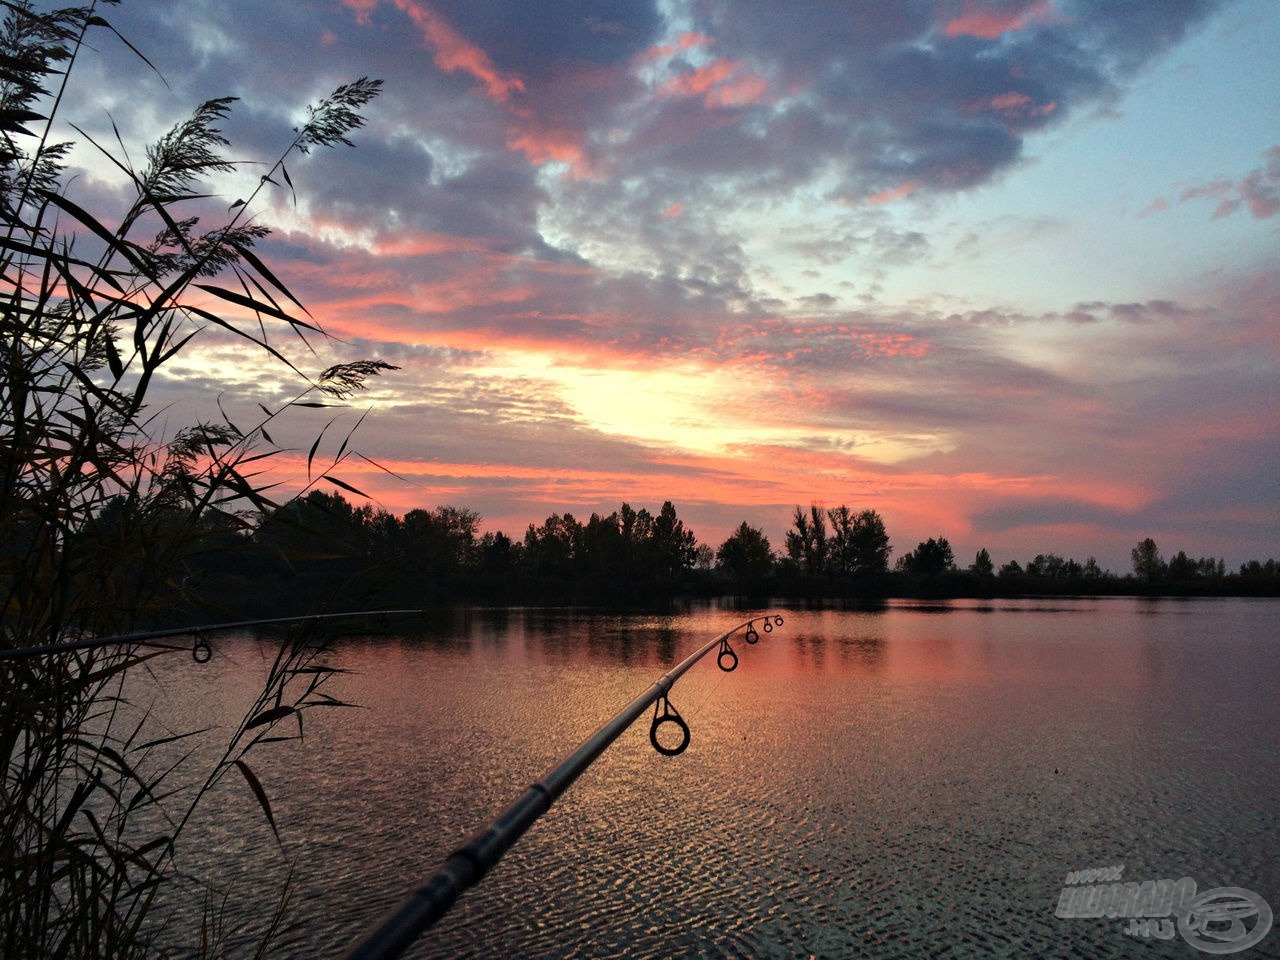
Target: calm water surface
(911, 781)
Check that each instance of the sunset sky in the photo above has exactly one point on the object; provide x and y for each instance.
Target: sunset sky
(1006, 271)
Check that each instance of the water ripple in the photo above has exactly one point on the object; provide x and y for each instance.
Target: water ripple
(898, 785)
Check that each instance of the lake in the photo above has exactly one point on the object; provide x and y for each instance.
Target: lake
(915, 779)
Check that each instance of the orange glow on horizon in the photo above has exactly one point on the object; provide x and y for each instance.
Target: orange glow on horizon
(762, 481)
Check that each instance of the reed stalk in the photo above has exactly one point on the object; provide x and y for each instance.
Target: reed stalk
(100, 513)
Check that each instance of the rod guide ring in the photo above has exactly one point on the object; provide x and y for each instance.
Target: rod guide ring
(201, 652)
(669, 715)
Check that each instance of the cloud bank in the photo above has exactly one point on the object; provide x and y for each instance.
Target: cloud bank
(638, 251)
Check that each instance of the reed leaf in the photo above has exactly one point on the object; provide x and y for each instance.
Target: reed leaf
(259, 794)
(346, 486)
(105, 512)
(269, 716)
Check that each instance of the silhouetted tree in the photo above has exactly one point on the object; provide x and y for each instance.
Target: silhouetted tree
(840, 547)
(316, 529)
(857, 543)
(807, 543)
(704, 557)
(868, 544)
(555, 548)
(929, 557)
(746, 553)
(1147, 563)
(604, 552)
(499, 555)
(636, 526)
(382, 531)
(329, 550)
(982, 565)
(443, 540)
(1182, 567)
(673, 548)
(1257, 570)
(1053, 567)
(1048, 565)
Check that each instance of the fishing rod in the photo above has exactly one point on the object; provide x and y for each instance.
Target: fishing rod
(467, 866)
(201, 652)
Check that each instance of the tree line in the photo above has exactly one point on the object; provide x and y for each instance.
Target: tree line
(322, 549)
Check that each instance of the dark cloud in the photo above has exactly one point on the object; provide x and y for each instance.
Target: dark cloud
(396, 188)
(1045, 512)
(889, 95)
(1126, 35)
(537, 40)
(768, 99)
(882, 91)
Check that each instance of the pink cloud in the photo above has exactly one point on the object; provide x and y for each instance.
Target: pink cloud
(687, 41)
(1225, 209)
(1212, 189)
(1258, 190)
(990, 21)
(889, 196)
(363, 9)
(721, 83)
(701, 80)
(1015, 106)
(741, 91)
(451, 51)
(426, 244)
(550, 125)
(541, 143)
(1010, 101)
(1158, 205)
(673, 211)
(542, 139)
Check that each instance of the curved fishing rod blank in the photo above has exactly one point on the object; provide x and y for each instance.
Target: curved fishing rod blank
(201, 652)
(467, 866)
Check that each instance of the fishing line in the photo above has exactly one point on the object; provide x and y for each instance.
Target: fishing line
(706, 685)
(467, 866)
(758, 627)
(201, 649)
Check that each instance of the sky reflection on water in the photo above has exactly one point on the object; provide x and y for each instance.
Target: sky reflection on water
(910, 780)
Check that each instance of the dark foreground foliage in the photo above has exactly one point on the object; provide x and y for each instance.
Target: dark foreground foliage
(101, 515)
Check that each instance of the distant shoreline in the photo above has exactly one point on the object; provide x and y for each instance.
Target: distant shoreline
(228, 597)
